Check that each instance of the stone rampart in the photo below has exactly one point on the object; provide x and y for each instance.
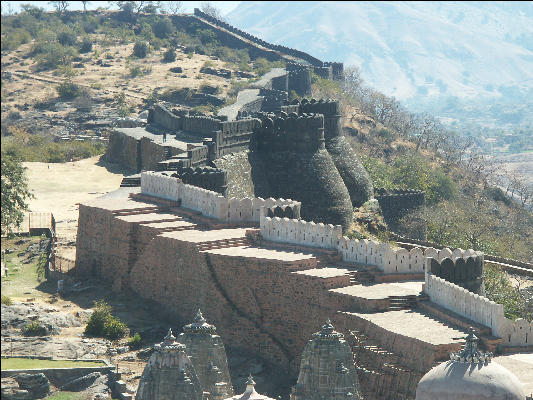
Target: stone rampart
(397, 203)
(273, 99)
(280, 83)
(225, 36)
(235, 136)
(123, 149)
(479, 309)
(161, 116)
(282, 49)
(150, 154)
(252, 106)
(299, 133)
(337, 69)
(300, 82)
(200, 125)
(461, 301)
(209, 178)
(465, 272)
(197, 154)
(209, 203)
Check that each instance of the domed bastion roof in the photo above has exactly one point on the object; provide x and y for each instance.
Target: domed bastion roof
(470, 375)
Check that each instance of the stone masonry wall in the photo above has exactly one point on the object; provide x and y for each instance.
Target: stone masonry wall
(123, 149)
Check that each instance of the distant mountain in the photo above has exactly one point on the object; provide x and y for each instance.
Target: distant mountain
(447, 57)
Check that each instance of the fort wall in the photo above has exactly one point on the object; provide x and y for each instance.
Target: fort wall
(300, 232)
(465, 272)
(479, 309)
(396, 204)
(278, 48)
(213, 179)
(299, 81)
(122, 149)
(303, 133)
(209, 203)
(164, 118)
(273, 99)
(225, 36)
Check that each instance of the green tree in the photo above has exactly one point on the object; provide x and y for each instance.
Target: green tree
(15, 192)
(140, 49)
(169, 55)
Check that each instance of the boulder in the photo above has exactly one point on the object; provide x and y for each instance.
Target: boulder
(36, 384)
(81, 383)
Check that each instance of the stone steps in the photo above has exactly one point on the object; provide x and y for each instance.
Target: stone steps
(130, 181)
(223, 243)
(402, 302)
(136, 211)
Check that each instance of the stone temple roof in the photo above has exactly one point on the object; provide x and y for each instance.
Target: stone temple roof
(470, 375)
(200, 325)
(328, 332)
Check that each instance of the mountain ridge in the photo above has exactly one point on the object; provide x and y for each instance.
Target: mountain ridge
(421, 53)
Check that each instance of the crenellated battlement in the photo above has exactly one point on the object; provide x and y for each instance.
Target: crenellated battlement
(460, 268)
(326, 107)
(291, 211)
(209, 178)
(300, 81)
(200, 124)
(291, 132)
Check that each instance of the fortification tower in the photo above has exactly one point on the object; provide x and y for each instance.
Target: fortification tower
(208, 355)
(353, 173)
(291, 151)
(327, 369)
(169, 374)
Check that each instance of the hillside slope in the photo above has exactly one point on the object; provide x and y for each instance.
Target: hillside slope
(431, 55)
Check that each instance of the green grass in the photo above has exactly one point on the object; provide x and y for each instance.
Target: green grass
(32, 363)
(22, 278)
(68, 396)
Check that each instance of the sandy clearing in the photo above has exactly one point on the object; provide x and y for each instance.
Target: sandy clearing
(59, 188)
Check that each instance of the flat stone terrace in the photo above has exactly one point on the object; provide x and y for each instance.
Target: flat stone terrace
(415, 325)
(176, 140)
(382, 290)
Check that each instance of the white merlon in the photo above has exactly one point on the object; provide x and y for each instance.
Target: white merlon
(209, 203)
(479, 309)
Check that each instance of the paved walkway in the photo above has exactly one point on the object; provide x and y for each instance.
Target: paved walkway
(248, 95)
(382, 290)
(416, 325)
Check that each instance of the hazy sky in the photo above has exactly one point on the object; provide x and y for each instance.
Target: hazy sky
(188, 6)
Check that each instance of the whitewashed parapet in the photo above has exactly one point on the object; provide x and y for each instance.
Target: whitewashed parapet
(391, 260)
(300, 232)
(209, 203)
(465, 303)
(479, 309)
(517, 333)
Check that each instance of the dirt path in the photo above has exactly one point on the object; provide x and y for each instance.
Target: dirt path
(59, 188)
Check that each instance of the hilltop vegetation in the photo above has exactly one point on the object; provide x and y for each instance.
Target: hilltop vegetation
(402, 150)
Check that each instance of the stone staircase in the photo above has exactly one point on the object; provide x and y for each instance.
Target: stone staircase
(361, 276)
(223, 243)
(379, 369)
(137, 211)
(403, 302)
(131, 181)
